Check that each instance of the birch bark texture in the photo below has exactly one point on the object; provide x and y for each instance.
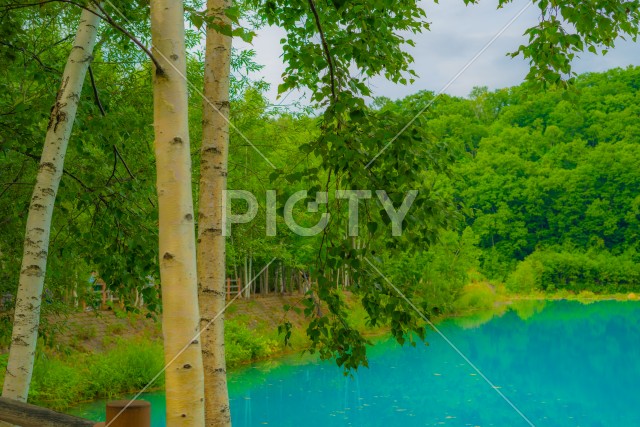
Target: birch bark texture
(180, 314)
(211, 242)
(36, 242)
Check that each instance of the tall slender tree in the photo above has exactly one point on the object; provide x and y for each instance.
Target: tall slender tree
(36, 241)
(213, 182)
(180, 315)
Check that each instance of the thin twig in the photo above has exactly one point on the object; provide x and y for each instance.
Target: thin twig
(95, 92)
(76, 179)
(115, 165)
(31, 54)
(48, 47)
(64, 171)
(15, 180)
(123, 162)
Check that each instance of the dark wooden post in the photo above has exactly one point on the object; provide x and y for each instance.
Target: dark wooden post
(136, 414)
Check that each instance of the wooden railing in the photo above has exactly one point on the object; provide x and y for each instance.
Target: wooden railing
(26, 415)
(136, 414)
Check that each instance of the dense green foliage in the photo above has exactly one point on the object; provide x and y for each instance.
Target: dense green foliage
(549, 185)
(548, 188)
(556, 182)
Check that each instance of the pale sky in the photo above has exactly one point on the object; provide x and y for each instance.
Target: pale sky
(458, 33)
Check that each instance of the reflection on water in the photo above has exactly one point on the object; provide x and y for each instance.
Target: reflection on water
(562, 363)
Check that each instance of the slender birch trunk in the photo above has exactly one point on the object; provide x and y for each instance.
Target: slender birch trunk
(262, 284)
(254, 284)
(211, 242)
(180, 314)
(36, 243)
(246, 277)
(282, 279)
(275, 279)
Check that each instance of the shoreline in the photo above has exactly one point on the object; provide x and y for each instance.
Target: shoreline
(260, 330)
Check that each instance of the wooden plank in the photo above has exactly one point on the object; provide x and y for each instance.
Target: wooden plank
(26, 415)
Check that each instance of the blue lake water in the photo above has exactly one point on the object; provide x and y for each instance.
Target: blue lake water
(560, 363)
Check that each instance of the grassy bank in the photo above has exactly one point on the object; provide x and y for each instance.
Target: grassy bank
(62, 380)
(83, 365)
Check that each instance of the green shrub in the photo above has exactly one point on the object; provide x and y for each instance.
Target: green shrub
(242, 344)
(526, 277)
(86, 332)
(5, 329)
(57, 383)
(568, 270)
(476, 296)
(129, 366)
(585, 295)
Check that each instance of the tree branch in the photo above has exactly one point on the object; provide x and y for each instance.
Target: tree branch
(325, 47)
(129, 171)
(64, 171)
(96, 96)
(15, 180)
(31, 54)
(95, 92)
(106, 17)
(76, 179)
(115, 165)
(123, 162)
(62, 40)
(110, 20)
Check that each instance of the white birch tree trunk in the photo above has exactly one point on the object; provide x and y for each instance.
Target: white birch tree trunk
(178, 275)
(211, 242)
(276, 284)
(253, 285)
(36, 243)
(246, 288)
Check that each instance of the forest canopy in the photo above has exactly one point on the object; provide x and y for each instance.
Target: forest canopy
(543, 190)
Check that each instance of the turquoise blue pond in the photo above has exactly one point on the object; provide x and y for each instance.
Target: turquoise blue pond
(561, 363)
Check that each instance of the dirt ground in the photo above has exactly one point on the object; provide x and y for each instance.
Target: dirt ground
(91, 331)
